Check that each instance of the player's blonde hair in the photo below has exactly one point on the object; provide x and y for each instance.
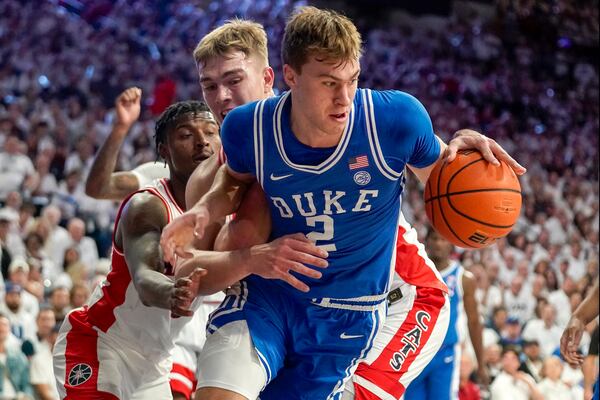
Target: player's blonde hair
(324, 33)
(246, 36)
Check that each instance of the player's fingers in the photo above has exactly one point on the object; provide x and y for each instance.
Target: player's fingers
(308, 248)
(182, 312)
(294, 282)
(305, 258)
(181, 252)
(501, 154)
(483, 146)
(450, 153)
(304, 270)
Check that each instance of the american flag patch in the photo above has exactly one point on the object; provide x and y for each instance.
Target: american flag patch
(358, 162)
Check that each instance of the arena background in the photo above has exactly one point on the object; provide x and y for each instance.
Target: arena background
(523, 72)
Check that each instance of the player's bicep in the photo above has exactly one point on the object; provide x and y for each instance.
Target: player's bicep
(140, 227)
(239, 176)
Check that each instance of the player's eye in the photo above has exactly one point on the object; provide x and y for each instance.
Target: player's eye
(209, 88)
(235, 81)
(329, 83)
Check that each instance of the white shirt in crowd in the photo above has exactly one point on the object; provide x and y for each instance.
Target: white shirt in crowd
(548, 338)
(555, 390)
(507, 387)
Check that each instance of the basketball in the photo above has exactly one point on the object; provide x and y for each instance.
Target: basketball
(471, 202)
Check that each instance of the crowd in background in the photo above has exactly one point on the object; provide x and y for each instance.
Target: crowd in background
(527, 77)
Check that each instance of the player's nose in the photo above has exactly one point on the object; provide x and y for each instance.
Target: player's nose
(223, 94)
(343, 96)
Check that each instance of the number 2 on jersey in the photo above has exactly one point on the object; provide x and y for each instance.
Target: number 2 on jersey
(325, 235)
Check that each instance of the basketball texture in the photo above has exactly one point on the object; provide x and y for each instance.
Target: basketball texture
(471, 202)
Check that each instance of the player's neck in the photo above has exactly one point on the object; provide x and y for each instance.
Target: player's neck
(177, 188)
(310, 134)
(441, 264)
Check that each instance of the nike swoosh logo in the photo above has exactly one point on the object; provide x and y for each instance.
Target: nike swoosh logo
(344, 336)
(278, 178)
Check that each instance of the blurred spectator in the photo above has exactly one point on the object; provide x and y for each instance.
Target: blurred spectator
(16, 169)
(88, 251)
(79, 295)
(57, 240)
(519, 301)
(512, 333)
(532, 359)
(512, 384)
(493, 360)
(14, 368)
(552, 387)
(22, 323)
(18, 274)
(467, 389)
(41, 372)
(544, 330)
(59, 302)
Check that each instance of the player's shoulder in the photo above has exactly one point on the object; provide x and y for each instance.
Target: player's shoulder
(394, 98)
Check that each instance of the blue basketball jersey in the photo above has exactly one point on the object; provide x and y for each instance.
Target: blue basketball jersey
(453, 278)
(345, 198)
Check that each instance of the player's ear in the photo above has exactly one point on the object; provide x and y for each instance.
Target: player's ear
(163, 151)
(289, 75)
(269, 79)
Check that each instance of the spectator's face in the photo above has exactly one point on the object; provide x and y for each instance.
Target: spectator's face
(76, 229)
(552, 368)
(532, 351)
(500, 318)
(510, 362)
(45, 322)
(79, 297)
(232, 80)
(12, 145)
(59, 298)
(13, 301)
(323, 92)
(19, 276)
(492, 354)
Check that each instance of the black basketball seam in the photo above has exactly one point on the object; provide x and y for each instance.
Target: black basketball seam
(464, 215)
(473, 191)
(426, 201)
(442, 212)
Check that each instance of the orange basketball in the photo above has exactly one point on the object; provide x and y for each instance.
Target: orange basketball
(471, 202)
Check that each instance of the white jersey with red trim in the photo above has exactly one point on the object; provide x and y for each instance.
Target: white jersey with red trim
(115, 308)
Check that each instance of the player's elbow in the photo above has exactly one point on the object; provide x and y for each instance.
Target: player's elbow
(92, 189)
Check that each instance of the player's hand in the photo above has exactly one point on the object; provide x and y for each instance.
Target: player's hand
(483, 376)
(181, 231)
(569, 342)
(128, 107)
(466, 139)
(184, 292)
(276, 259)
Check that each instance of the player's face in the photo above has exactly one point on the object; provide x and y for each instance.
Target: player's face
(323, 92)
(191, 141)
(233, 80)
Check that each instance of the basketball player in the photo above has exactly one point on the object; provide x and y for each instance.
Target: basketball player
(571, 337)
(118, 345)
(336, 81)
(102, 182)
(440, 379)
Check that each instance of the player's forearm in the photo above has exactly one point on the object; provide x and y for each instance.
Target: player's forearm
(98, 183)
(224, 197)
(589, 372)
(588, 309)
(154, 288)
(475, 333)
(224, 269)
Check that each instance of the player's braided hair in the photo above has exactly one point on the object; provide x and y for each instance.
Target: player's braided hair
(169, 117)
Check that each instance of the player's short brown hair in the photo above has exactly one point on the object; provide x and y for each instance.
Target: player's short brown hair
(324, 33)
(246, 36)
